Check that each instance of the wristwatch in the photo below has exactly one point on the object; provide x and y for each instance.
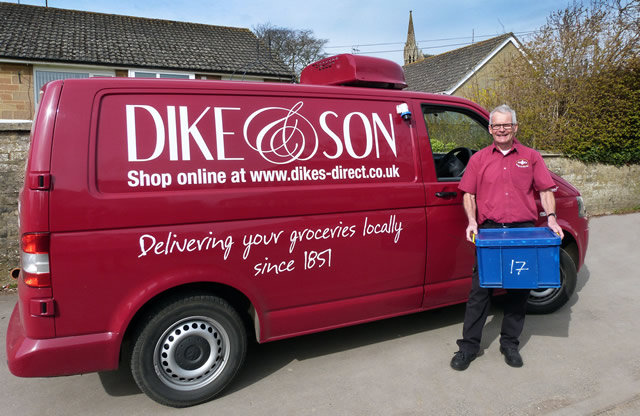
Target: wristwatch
(552, 214)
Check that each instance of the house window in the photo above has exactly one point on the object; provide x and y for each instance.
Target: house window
(153, 74)
(42, 76)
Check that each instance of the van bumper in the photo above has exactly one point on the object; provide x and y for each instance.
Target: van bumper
(27, 357)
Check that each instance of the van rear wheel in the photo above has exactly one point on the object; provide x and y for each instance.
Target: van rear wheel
(189, 351)
(543, 301)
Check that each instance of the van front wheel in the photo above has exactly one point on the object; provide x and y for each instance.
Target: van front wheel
(543, 301)
(189, 350)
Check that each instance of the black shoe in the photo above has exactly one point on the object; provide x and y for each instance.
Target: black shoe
(512, 356)
(461, 360)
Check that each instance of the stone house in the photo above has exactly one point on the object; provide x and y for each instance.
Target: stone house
(464, 72)
(41, 44)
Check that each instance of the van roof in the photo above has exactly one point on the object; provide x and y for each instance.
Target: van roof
(132, 84)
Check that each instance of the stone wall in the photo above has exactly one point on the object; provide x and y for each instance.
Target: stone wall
(14, 145)
(606, 189)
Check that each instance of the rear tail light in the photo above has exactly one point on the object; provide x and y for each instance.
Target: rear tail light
(35, 260)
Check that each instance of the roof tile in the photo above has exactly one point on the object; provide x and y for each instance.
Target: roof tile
(440, 73)
(71, 36)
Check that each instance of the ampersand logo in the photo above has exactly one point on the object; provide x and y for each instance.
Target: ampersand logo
(281, 135)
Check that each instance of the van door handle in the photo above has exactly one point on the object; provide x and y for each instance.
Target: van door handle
(446, 194)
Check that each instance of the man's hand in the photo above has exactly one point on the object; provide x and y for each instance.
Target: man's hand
(472, 229)
(553, 224)
(549, 205)
(469, 204)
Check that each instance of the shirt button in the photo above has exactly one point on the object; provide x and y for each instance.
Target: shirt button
(507, 194)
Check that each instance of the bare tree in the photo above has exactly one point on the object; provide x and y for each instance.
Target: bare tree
(296, 48)
(575, 88)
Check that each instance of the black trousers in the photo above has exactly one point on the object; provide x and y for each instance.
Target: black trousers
(477, 309)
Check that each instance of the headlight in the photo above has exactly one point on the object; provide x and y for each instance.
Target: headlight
(582, 210)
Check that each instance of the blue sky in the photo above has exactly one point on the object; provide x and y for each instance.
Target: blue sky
(347, 24)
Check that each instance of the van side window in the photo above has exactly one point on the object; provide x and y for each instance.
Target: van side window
(454, 135)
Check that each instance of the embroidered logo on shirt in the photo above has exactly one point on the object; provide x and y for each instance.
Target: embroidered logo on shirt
(522, 163)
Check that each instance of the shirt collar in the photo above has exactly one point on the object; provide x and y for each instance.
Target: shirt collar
(516, 147)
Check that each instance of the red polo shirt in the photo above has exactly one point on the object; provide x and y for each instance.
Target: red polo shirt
(504, 185)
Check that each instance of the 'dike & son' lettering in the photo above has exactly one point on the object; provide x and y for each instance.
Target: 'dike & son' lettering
(174, 134)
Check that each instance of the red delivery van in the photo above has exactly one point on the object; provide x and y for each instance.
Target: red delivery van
(164, 223)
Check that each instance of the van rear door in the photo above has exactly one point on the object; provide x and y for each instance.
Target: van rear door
(36, 294)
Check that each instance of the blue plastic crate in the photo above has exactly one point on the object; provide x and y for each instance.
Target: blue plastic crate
(518, 258)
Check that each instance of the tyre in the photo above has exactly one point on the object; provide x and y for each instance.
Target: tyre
(189, 350)
(549, 300)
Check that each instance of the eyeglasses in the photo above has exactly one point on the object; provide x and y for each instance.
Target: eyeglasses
(496, 127)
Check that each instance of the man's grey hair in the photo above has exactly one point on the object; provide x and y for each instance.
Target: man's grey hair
(504, 109)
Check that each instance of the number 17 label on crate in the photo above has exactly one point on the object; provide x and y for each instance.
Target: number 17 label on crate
(519, 269)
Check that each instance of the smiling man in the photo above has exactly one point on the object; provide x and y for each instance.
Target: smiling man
(499, 188)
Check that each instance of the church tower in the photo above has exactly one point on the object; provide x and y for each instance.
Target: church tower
(411, 51)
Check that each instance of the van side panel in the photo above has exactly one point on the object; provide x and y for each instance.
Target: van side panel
(277, 275)
(291, 199)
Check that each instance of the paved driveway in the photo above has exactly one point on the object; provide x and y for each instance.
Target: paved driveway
(580, 360)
